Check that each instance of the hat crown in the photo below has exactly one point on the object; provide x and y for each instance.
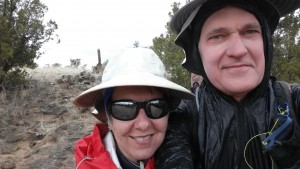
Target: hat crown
(132, 61)
(133, 67)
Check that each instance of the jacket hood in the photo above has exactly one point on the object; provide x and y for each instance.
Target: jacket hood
(190, 38)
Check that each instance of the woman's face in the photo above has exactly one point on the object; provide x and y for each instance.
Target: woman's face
(139, 138)
(232, 51)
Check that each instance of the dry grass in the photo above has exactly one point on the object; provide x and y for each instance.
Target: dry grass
(50, 74)
(31, 116)
(42, 89)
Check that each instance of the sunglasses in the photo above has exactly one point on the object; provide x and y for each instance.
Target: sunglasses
(126, 110)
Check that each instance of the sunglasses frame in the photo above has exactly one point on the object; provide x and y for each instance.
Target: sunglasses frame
(140, 105)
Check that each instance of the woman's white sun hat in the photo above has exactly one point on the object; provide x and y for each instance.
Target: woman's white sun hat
(133, 67)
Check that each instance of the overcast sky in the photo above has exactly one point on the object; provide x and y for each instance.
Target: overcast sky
(109, 25)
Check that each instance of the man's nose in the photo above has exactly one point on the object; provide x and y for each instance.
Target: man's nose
(236, 46)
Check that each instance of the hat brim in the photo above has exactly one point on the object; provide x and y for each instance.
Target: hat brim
(88, 97)
(284, 7)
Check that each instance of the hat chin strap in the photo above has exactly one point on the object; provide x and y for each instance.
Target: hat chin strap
(108, 121)
(107, 95)
(142, 165)
(107, 117)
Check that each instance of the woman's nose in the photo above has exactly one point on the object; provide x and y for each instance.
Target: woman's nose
(142, 121)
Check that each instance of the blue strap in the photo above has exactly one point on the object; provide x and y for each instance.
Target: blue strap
(106, 97)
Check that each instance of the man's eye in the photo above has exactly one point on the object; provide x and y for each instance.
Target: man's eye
(214, 37)
(251, 32)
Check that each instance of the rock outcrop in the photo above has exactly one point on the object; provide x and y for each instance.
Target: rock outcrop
(39, 125)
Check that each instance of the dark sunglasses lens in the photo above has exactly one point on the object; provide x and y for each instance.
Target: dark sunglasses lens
(123, 110)
(128, 110)
(156, 109)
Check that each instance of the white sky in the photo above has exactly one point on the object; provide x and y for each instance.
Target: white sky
(110, 25)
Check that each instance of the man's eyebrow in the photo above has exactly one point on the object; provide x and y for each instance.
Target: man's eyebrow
(252, 25)
(217, 30)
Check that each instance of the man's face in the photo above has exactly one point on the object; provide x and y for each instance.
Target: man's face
(232, 52)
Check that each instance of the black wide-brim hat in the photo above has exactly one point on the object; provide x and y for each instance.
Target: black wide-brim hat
(182, 21)
(284, 7)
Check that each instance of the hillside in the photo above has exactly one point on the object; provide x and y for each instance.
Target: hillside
(39, 125)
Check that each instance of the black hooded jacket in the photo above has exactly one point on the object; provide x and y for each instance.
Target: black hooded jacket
(226, 134)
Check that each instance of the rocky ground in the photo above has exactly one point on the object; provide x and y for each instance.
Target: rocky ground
(39, 125)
